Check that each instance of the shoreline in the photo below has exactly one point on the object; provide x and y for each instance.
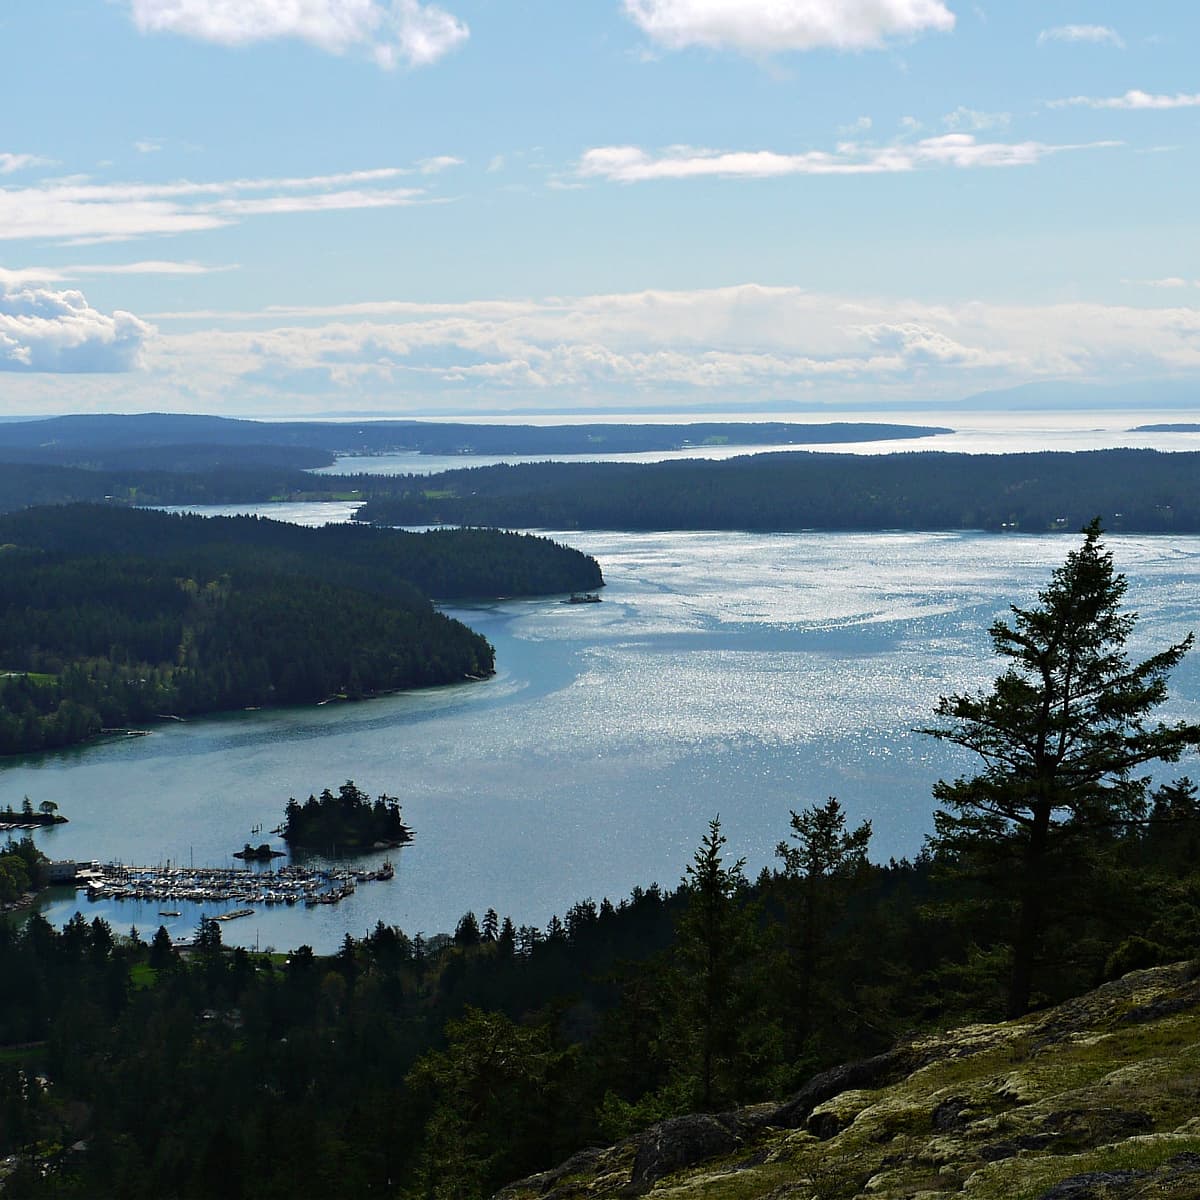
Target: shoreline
(116, 734)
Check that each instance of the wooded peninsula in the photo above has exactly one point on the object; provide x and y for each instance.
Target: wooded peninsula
(114, 617)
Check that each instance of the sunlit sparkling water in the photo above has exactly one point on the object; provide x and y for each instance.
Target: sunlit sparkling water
(731, 673)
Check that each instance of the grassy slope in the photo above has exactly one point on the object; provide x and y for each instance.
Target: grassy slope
(1101, 1091)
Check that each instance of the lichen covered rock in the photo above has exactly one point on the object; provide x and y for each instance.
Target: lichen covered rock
(1095, 1098)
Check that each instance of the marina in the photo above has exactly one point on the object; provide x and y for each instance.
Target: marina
(212, 885)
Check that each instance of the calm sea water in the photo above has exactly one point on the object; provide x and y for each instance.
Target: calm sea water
(729, 673)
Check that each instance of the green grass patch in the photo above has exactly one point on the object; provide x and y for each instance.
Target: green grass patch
(1029, 1178)
(21, 1054)
(142, 976)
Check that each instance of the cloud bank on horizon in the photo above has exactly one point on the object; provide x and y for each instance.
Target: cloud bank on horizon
(636, 202)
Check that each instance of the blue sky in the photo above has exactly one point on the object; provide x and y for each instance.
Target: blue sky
(322, 206)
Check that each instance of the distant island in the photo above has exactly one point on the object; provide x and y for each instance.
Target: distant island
(1172, 427)
(174, 459)
(1131, 490)
(112, 617)
(181, 442)
(346, 822)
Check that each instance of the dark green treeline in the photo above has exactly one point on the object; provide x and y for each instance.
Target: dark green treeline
(113, 617)
(1134, 490)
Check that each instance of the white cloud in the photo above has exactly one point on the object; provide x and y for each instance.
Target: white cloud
(58, 331)
(13, 278)
(80, 211)
(862, 125)
(435, 166)
(631, 164)
(388, 32)
(148, 145)
(771, 26)
(1133, 99)
(1170, 282)
(10, 163)
(1081, 33)
(319, 202)
(148, 267)
(424, 34)
(970, 118)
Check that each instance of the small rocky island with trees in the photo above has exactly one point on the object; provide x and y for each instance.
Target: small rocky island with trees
(346, 822)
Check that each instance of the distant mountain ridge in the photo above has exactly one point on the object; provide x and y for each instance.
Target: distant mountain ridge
(1072, 396)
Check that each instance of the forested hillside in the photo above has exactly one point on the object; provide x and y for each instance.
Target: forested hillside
(1136, 490)
(444, 563)
(408, 1066)
(113, 617)
(27, 485)
(446, 1067)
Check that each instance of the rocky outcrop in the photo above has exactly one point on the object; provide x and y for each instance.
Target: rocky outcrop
(1097, 1098)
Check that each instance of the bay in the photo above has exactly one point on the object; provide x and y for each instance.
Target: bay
(731, 673)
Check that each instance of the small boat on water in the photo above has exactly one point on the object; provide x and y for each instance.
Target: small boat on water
(168, 912)
(583, 598)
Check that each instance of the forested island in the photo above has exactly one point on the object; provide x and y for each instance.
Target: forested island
(346, 822)
(1133, 490)
(113, 617)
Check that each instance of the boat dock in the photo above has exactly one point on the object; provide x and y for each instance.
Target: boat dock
(210, 885)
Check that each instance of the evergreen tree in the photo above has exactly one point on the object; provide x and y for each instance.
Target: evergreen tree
(162, 952)
(467, 932)
(493, 1099)
(825, 858)
(491, 925)
(1061, 734)
(715, 957)
(507, 940)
